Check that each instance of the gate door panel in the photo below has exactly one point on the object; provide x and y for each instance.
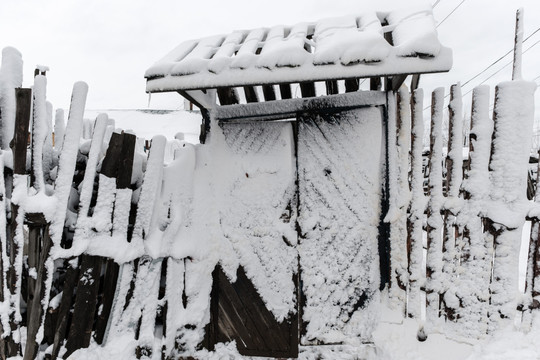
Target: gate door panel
(257, 217)
(339, 158)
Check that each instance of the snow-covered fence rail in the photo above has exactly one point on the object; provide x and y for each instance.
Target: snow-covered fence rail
(472, 215)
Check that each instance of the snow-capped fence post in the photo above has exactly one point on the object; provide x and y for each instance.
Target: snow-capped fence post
(477, 246)
(88, 284)
(15, 238)
(451, 232)
(434, 220)
(122, 206)
(513, 121)
(399, 126)
(416, 209)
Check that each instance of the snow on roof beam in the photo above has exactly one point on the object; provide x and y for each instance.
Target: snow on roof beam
(370, 45)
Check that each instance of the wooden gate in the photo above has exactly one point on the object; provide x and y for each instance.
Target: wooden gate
(330, 196)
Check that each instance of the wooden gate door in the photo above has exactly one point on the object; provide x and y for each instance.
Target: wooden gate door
(256, 305)
(339, 157)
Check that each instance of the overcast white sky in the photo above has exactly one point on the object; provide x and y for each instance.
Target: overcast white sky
(110, 43)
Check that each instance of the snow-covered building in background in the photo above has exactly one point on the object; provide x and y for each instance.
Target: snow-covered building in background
(284, 231)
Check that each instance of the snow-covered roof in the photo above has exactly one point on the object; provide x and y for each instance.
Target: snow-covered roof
(371, 44)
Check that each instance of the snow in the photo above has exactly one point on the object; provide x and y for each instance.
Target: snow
(336, 40)
(335, 48)
(11, 71)
(148, 123)
(337, 246)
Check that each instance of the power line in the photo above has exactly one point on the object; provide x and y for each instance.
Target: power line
(436, 3)
(498, 71)
(496, 61)
(451, 12)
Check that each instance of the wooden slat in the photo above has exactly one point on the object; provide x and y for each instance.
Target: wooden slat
(307, 89)
(331, 87)
(123, 181)
(251, 94)
(80, 331)
(238, 313)
(285, 91)
(70, 281)
(269, 92)
(36, 315)
(227, 96)
(351, 85)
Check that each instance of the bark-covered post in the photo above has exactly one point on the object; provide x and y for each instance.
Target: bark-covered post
(434, 219)
(416, 210)
(532, 284)
(477, 249)
(454, 175)
(513, 117)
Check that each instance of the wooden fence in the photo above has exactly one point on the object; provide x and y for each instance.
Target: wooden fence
(67, 210)
(460, 262)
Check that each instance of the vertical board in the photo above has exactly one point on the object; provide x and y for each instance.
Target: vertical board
(339, 177)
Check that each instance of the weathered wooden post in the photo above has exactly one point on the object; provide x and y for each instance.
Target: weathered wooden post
(15, 238)
(434, 220)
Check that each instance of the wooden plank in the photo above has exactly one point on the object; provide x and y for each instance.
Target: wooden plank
(238, 313)
(285, 91)
(290, 107)
(64, 314)
(331, 87)
(20, 137)
(307, 89)
(125, 165)
(351, 85)
(375, 83)
(36, 315)
(227, 96)
(35, 238)
(123, 181)
(109, 166)
(80, 331)
(251, 94)
(269, 92)
(19, 148)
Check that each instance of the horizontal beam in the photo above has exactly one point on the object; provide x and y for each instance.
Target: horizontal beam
(287, 109)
